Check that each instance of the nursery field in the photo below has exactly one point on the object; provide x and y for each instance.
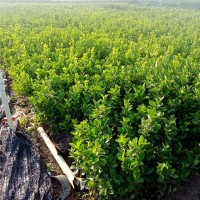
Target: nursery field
(123, 79)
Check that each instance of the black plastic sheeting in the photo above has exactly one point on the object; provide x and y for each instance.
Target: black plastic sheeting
(23, 174)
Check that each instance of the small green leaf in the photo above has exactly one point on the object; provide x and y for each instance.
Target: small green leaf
(122, 140)
(174, 175)
(152, 103)
(141, 140)
(91, 184)
(161, 179)
(121, 156)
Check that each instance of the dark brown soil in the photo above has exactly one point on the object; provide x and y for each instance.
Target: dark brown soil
(189, 190)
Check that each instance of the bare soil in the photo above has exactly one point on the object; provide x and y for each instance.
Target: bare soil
(188, 190)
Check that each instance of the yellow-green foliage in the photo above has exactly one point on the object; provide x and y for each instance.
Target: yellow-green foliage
(124, 79)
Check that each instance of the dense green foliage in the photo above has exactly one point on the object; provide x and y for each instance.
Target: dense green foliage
(124, 79)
